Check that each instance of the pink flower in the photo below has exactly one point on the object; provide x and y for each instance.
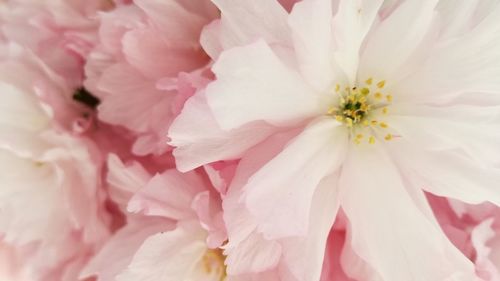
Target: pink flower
(375, 105)
(60, 32)
(52, 208)
(474, 229)
(147, 63)
(174, 229)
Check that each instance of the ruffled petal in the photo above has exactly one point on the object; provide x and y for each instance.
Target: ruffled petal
(169, 256)
(169, 195)
(311, 26)
(254, 85)
(396, 38)
(243, 22)
(448, 174)
(199, 140)
(388, 230)
(468, 64)
(280, 194)
(304, 255)
(351, 24)
(120, 248)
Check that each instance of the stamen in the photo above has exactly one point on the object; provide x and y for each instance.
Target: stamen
(355, 107)
(213, 262)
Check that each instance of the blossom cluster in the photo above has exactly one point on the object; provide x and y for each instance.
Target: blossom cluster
(249, 140)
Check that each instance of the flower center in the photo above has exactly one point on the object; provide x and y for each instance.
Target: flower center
(213, 263)
(358, 108)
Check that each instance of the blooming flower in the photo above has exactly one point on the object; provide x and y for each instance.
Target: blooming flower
(380, 101)
(175, 230)
(60, 32)
(146, 64)
(51, 204)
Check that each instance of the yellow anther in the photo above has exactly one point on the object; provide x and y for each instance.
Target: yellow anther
(357, 141)
(357, 107)
(348, 122)
(388, 137)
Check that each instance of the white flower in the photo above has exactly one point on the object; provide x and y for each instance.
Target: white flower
(387, 103)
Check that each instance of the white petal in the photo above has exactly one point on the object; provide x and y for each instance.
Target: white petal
(311, 25)
(474, 130)
(21, 119)
(253, 254)
(244, 21)
(456, 17)
(169, 195)
(448, 174)
(280, 194)
(351, 25)
(353, 265)
(210, 39)
(253, 84)
(247, 250)
(124, 179)
(392, 42)
(389, 231)
(121, 248)
(23, 182)
(169, 256)
(175, 20)
(482, 237)
(199, 140)
(468, 64)
(304, 256)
